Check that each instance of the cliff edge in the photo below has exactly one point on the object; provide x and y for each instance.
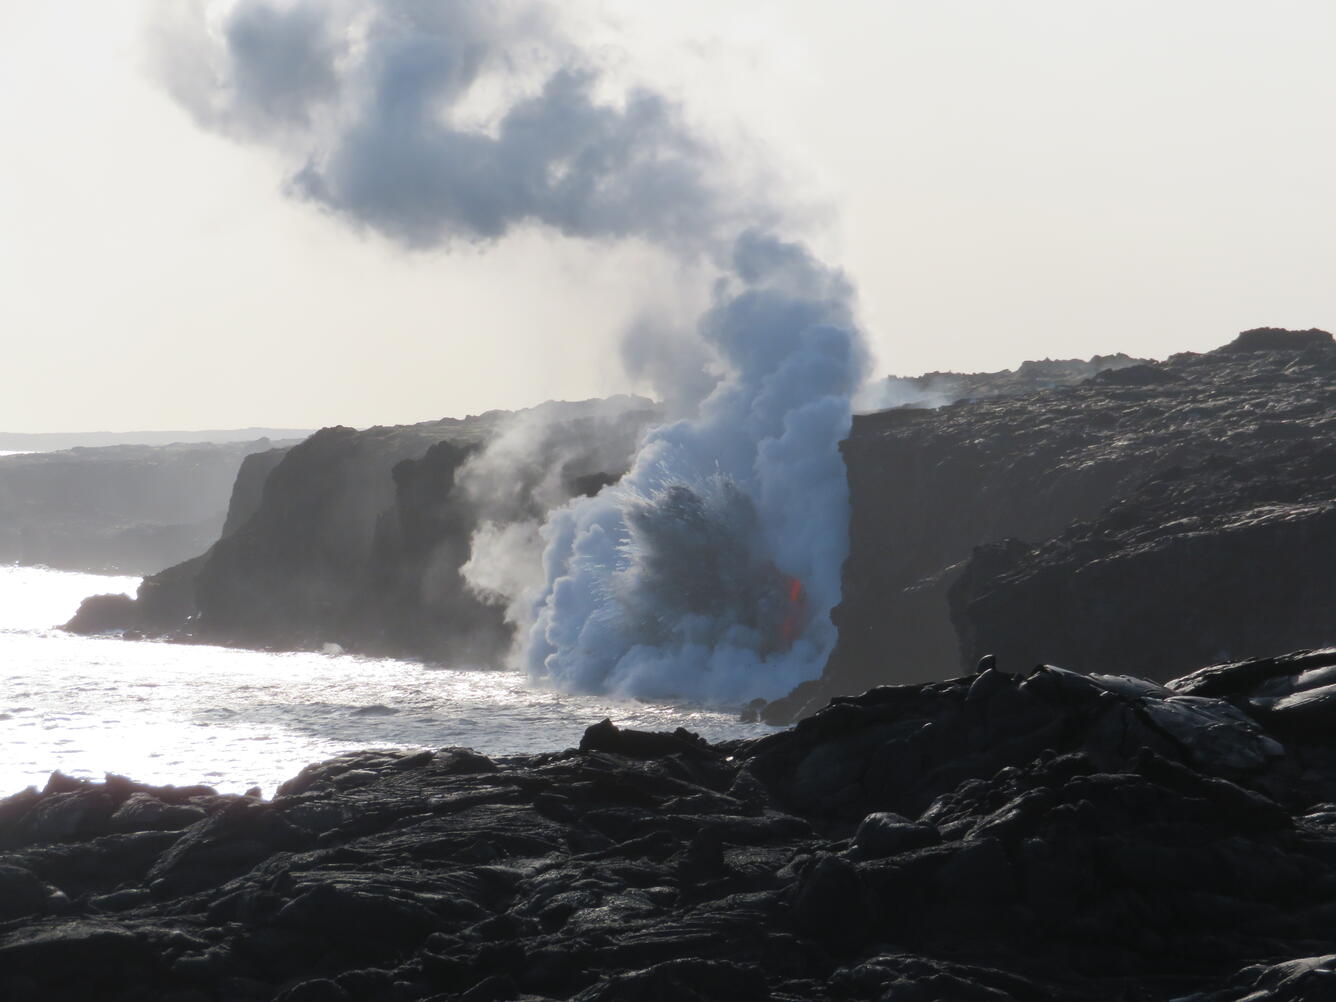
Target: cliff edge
(359, 538)
(1152, 517)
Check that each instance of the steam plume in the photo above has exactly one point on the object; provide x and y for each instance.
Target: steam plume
(673, 582)
(384, 103)
(709, 569)
(537, 462)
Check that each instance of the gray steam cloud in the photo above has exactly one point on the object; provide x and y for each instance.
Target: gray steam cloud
(709, 568)
(374, 97)
(676, 363)
(538, 461)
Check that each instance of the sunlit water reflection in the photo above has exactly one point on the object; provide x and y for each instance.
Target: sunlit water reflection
(170, 713)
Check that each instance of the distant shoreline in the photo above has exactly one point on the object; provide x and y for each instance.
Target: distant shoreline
(58, 440)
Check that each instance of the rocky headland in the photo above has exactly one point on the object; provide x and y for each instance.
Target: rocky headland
(1153, 517)
(358, 538)
(1039, 836)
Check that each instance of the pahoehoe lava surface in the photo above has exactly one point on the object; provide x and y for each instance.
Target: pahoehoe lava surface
(994, 837)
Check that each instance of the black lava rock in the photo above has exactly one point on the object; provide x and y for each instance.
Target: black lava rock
(995, 837)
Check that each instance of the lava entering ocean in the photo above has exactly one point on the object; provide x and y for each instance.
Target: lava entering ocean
(371, 126)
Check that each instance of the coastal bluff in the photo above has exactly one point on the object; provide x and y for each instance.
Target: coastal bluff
(1150, 518)
(358, 538)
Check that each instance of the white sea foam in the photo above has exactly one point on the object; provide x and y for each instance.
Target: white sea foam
(170, 713)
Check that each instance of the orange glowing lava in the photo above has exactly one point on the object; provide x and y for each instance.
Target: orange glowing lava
(793, 612)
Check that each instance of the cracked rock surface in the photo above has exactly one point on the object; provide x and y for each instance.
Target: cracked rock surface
(995, 837)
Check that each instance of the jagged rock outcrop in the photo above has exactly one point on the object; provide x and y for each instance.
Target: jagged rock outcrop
(125, 509)
(1000, 837)
(1150, 518)
(358, 538)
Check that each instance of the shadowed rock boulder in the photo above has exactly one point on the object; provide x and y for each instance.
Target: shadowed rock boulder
(996, 837)
(104, 614)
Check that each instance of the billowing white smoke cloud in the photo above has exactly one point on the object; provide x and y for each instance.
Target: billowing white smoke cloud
(710, 569)
(537, 461)
(433, 120)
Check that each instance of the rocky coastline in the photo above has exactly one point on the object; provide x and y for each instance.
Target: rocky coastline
(1151, 518)
(1119, 514)
(358, 537)
(1122, 832)
(1032, 836)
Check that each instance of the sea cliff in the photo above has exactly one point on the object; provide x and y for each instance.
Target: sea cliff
(358, 538)
(1152, 517)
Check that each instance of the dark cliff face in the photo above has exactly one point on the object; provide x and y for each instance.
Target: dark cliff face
(420, 601)
(1220, 557)
(1153, 517)
(357, 538)
(248, 488)
(926, 487)
(128, 509)
(322, 558)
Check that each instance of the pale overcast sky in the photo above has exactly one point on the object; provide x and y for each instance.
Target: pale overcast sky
(1002, 181)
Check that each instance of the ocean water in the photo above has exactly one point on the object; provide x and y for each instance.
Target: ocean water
(172, 713)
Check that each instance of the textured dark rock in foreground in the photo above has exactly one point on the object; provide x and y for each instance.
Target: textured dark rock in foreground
(1047, 836)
